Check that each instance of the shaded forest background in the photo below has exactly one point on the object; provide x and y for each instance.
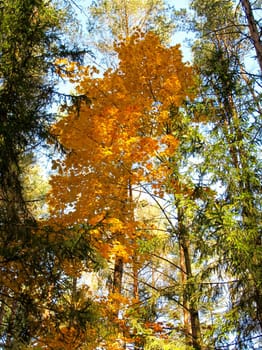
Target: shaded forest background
(146, 231)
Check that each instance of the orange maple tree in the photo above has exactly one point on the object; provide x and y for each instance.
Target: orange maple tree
(113, 141)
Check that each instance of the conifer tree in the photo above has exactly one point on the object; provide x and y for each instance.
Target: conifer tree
(30, 43)
(229, 110)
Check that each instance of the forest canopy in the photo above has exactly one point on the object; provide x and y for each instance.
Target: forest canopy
(130, 175)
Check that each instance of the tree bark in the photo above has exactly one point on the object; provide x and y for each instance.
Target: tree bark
(253, 30)
(135, 279)
(118, 274)
(185, 260)
(186, 314)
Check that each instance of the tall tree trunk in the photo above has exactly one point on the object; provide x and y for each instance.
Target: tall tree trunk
(186, 314)
(189, 290)
(253, 30)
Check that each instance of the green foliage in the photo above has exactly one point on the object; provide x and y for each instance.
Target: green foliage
(232, 162)
(196, 274)
(162, 344)
(31, 271)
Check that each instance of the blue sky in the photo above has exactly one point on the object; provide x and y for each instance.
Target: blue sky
(179, 37)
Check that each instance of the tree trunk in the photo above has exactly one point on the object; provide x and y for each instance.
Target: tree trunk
(189, 287)
(118, 274)
(117, 283)
(253, 30)
(135, 279)
(186, 314)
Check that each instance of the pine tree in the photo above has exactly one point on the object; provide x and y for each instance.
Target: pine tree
(229, 112)
(30, 42)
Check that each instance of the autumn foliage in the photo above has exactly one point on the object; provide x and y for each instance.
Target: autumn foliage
(113, 142)
(146, 232)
